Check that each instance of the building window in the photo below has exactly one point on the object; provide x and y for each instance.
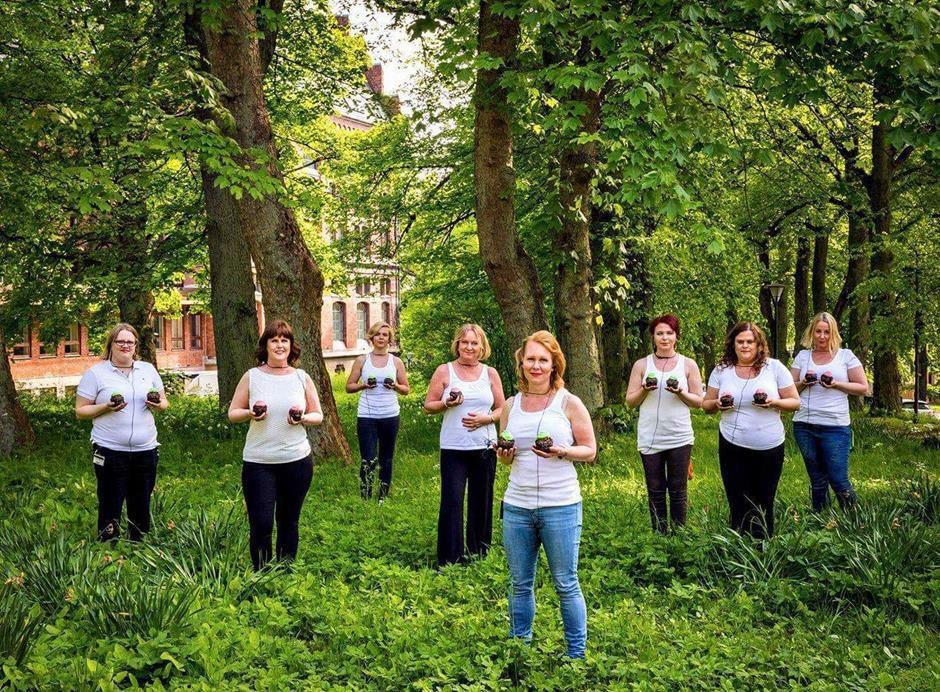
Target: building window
(386, 287)
(23, 348)
(339, 322)
(363, 287)
(386, 313)
(156, 323)
(73, 344)
(176, 334)
(195, 332)
(48, 349)
(362, 319)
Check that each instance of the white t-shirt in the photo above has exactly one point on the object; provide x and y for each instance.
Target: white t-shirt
(665, 421)
(274, 440)
(380, 402)
(823, 405)
(477, 397)
(533, 481)
(747, 425)
(132, 429)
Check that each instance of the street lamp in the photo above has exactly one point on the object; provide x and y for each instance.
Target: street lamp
(776, 292)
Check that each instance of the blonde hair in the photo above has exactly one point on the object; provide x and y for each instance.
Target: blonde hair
(113, 334)
(485, 349)
(375, 328)
(546, 339)
(835, 339)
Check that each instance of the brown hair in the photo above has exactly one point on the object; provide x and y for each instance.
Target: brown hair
(478, 330)
(375, 328)
(273, 329)
(546, 339)
(730, 358)
(113, 334)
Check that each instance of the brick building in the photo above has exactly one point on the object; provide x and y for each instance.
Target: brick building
(186, 343)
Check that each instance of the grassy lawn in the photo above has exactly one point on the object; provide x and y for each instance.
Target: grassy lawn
(834, 601)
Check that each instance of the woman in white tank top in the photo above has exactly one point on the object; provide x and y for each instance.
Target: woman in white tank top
(665, 385)
(470, 395)
(542, 504)
(278, 401)
(380, 377)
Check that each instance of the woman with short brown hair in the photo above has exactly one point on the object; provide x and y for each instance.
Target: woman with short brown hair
(277, 400)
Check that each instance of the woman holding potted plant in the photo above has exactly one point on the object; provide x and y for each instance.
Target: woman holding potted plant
(665, 385)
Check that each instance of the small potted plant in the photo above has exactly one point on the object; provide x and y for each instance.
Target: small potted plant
(116, 399)
(544, 442)
(260, 408)
(760, 397)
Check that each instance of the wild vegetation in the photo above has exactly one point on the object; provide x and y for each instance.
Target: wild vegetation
(837, 600)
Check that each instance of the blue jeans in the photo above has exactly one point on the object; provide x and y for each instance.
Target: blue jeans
(825, 450)
(559, 530)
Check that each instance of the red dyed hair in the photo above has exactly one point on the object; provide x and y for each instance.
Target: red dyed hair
(671, 320)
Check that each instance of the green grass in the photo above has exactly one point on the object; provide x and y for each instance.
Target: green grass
(838, 601)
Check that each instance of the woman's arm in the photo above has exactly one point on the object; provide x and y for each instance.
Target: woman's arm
(693, 397)
(857, 384)
(505, 456)
(313, 415)
(87, 409)
(710, 402)
(353, 384)
(432, 402)
(401, 378)
(636, 392)
(789, 400)
(800, 384)
(584, 448)
(238, 411)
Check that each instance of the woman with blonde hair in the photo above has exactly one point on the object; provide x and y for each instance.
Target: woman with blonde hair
(548, 430)
(750, 390)
(380, 377)
(120, 395)
(825, 375)
(470, 395)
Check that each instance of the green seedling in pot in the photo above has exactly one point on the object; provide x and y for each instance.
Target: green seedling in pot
(544, 442)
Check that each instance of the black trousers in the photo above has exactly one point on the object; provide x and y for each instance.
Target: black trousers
(667, 471)
(473, 471)
(275, 491)
(124, 476)
(377, 438)
(750, 477)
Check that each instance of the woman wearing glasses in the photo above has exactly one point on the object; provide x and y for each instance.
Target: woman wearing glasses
(120, 395)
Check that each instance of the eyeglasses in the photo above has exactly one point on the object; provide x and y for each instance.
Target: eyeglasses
(125, 343)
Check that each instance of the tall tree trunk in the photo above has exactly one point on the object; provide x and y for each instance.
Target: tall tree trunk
(820, 260)
(15, 430)
(801, 289)
(640, 299)
(574, 294)
(887, 386)
(613, 348)
(136, 307)
(234, 310)
(510, 270)
(291, 281)
(135, 297)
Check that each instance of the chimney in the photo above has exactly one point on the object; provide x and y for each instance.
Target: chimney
(374, 78)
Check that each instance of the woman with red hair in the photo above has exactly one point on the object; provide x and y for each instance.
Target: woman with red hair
(665, 385)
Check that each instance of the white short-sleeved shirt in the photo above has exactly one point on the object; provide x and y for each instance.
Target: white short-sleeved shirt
(747, 425)
(132, 429)
(823, 405)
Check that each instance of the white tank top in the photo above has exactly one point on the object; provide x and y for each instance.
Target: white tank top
(665, 421)
(478, 397)
(380, 402)
(274, 440)
(533, 481)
